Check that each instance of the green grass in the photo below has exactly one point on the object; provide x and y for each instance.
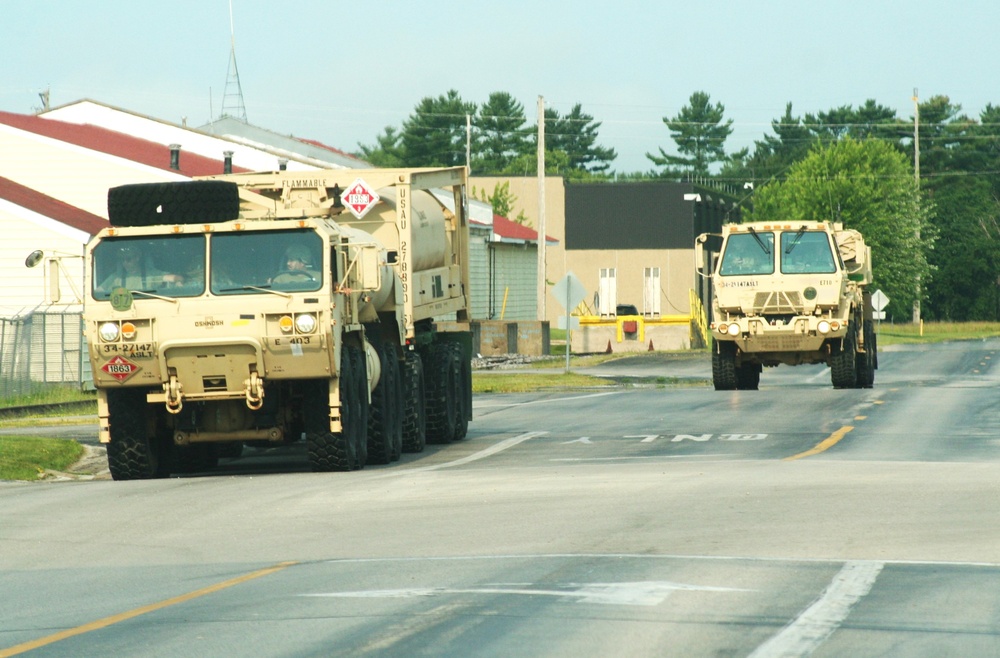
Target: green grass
(47, 394)
(521, 382)
(935, 332)
(28, 457)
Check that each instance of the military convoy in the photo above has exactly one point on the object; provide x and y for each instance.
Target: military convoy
(269, 308)
(789, 293)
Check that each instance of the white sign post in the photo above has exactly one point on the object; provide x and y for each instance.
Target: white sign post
(569, 292)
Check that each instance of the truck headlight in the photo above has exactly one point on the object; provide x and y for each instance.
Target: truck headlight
(823, 327)
(305, 323)
(734, 330)
(723, 328)
(108, 332)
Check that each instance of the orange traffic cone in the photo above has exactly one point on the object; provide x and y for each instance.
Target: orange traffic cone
(608, 351)
(650, 345)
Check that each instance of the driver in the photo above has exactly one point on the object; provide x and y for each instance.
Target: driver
(135, 272)
(297, 266)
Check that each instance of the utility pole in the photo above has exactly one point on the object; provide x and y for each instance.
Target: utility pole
(916, 175)
(541, 209)
(468, 142)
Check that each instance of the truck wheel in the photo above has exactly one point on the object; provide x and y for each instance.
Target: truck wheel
(384, 426)
(748, 377)
(132, 454)
(442, 392)
(414, 408)
(866, 361)
(843, 364)
(360, 424)
(328, 451)
(464, 397)
(724, 366)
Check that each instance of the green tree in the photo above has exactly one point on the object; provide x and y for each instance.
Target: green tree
(774, 154)
(500, 134)
(867, 185)
(700, 135)
(575, 134)
(868, 120)
(502, 200)
(386, 152)
(958, 161)
(434, 135)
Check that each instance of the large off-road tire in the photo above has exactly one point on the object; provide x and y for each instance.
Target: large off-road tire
(330, 451)
(844, 363)
(724, 366)
(414, 407)
(748, 377)
(443, 377)
(181, 202)
(464, 397)
(360, 424)
(866, 361)
(385, 422)
(133, 454)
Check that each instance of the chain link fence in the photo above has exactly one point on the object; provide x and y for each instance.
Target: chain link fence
(40, 349)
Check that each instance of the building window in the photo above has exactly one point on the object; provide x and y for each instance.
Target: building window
(651, 291)
(607, 291)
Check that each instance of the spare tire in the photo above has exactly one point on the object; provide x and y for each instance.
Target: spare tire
(182, 202)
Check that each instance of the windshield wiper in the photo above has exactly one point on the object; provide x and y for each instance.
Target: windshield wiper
(763, 245)
(150, 293)
(273, 292)
(795, 241)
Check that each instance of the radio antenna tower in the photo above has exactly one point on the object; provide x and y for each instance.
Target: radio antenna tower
(232, 96)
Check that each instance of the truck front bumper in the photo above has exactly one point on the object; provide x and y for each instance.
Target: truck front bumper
(803, 333)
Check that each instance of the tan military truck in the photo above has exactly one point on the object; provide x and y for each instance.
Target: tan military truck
(789, 293)
(275, 307)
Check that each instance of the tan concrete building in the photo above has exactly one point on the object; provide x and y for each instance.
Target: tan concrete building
(630, 244)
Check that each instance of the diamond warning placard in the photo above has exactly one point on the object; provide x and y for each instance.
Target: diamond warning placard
(120, 368)
(359, 198)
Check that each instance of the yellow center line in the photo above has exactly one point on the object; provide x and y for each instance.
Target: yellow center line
(822, 446)
(131, 614)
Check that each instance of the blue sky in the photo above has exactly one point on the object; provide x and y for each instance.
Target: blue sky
(340, 72)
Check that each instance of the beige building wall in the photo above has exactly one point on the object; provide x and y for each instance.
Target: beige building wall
(677, 270)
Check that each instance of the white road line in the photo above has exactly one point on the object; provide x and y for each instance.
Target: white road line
(648, 557)
(646, 593)
(492, 450)
(707, 458)
(817, 622)
(546, 401)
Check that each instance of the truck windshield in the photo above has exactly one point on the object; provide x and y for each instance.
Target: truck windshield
(248, 262)
(747, 254)
(168, 265)
(807, 252)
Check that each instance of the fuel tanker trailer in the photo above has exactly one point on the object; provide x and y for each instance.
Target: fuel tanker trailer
(276, 307)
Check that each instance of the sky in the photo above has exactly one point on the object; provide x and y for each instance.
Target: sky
(340, 72)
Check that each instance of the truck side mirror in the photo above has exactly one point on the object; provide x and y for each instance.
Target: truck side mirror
(699, 253)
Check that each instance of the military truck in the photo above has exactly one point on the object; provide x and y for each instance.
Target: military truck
(789, 293)
(268, 308)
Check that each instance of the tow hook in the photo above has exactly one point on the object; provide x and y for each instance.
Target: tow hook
(254, 388)
(175, 400)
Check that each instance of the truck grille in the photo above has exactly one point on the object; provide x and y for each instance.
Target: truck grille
(775, 303)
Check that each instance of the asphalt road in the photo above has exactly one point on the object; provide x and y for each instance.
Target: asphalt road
(794, 520)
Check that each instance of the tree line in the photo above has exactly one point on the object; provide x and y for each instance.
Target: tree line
(936, 240)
